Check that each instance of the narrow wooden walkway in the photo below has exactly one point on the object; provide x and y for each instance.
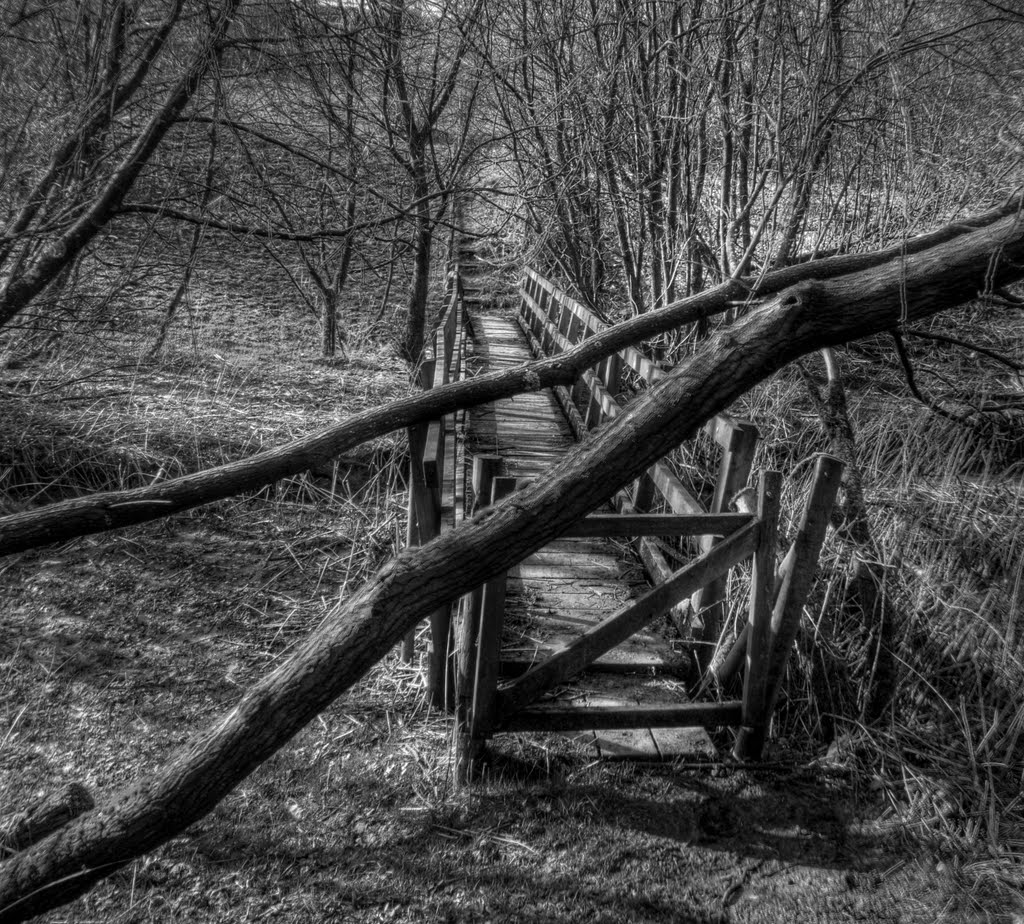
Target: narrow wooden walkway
(568, 587)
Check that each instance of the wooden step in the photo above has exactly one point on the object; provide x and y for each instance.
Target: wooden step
(556, 718)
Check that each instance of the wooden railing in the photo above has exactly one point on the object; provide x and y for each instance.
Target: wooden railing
(695, 594)
(555, 322)
(434, 476)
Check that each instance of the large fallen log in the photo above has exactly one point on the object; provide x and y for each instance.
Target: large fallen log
(114, 509)
(364, 628)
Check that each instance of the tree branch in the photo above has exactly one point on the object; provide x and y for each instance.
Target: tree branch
(113, 509)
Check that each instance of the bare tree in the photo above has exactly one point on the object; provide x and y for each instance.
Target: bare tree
(82, 123)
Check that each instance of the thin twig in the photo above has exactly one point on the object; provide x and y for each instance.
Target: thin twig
(968, 345)
(908, 370)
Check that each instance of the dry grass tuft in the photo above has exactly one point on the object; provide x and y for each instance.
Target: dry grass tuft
(946, 506)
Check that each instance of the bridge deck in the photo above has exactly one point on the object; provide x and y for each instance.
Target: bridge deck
(569, 586)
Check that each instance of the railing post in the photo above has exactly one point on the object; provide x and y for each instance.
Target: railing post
(414, 535)
(492, 619)
(643, 495)
(485, 469)
(575, 327)
(613, 374)
(797, 581)
(440, 682)
(710, 602)
(750, 738)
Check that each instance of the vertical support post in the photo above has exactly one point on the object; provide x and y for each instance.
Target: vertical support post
(750, 738)
(554, 308)
(492, 620)
(594, 416)
(536, 315)
(485, 469)
(547, 307)
(416, 436)
(575, 330)
(440, 680)
(710, 602)
(643, 496)
(613, 374)
(798, 578)
(565, 317)
(412, 537)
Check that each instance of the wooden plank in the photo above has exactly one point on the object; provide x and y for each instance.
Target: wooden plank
(611, 375)
(814, 522)
(412, 538)
(687, 741)
(650, 667)
(710, 603)
(492, 618)
(624, 623)
(730, 433)
(737, 461)
(546, 717)
(626, 744)
(750, 739)
(673, 491)
(659, 524)
(485, 470)
(601, 405)
(643, 493)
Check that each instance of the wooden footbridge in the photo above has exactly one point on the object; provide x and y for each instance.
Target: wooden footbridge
(573, 638)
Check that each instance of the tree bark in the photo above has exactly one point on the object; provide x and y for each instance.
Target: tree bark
(364, 628)
(114, 509)
(44, 816)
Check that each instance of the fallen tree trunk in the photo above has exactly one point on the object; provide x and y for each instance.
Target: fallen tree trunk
(363, 629)
(44, 816)
(114, 509)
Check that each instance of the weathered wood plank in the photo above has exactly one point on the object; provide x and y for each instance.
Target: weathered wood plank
(488, 650)
(649, 667)
(750, 739)
(580, 718)
(659, 524)
(627, 744)
(795, 587)
(621, 625)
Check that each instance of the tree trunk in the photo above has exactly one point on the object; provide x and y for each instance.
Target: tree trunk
(416, 321)
(364, 628)
(329, 325)
(113, 509)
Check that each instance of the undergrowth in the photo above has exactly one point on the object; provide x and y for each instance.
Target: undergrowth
(238, 584)
(946, 510)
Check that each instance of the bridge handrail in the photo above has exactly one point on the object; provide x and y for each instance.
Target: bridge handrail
(643, 366)
(555, 322)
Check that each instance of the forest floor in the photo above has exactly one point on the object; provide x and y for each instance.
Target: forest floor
(116, 648)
